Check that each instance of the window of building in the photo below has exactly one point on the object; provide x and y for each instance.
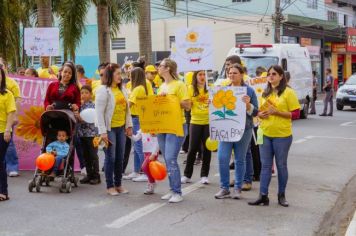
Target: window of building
(332, 16)
(241, 0)
(346, 20)
(243, 38)
(312, 4)
(57, 60)
(118, 43)
(172, 39)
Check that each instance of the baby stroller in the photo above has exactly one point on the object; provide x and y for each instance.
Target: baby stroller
(50, 123)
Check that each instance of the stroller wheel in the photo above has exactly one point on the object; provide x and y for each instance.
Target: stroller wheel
(47, 180)
(75, 182)
(38, 184)
(69, 187)
(31, 185)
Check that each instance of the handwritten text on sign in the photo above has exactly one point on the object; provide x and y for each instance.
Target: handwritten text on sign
(227, 113)
(160, 114)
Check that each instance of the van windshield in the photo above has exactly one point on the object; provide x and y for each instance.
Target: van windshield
(253, 62)
(351, 80)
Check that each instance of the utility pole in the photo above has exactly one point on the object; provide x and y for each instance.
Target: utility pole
(186, 7)
(277, 18)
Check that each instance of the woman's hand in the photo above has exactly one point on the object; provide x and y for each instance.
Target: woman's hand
(128, 131)
(246, 99)
(263, 114)
(7, 136)
(104, 137)
(50, 107)
(272, 110)
(152, 157)
(75, 107)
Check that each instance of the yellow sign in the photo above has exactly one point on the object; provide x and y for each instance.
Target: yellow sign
(160, 114)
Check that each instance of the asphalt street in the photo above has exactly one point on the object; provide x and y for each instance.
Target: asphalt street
(321, 162)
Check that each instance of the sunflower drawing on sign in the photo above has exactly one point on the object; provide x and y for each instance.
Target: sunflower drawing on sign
(192, 37)
(224, 101)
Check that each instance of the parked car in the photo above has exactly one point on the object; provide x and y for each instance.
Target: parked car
(346, 94)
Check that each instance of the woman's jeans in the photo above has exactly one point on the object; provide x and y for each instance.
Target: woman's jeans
(170, 144)
(12, 160)
(224, 154)
(114, 156)
(3, 174)
(278, 148)
(249, 166)
(138, 147)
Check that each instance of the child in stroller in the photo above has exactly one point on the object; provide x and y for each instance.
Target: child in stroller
(59, 149)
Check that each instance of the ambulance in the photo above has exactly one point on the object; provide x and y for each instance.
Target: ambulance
(292, 57)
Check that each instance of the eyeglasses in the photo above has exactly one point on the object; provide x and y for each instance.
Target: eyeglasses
(162, 65)
(273, 73)
(233, 73)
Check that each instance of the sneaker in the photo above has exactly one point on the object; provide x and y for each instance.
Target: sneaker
(175, 198)
(150, 189)
(182, 152)
(140, 178)
(112, 192)
(223, 193)
(167, 196)
(121, 190)
(329, 114)
(95, 181)
(13, 174)
(204, 180)
(83, 171)
(131, 176)
(246, 187)
(236, 194)
(85, 180)
(185, 180)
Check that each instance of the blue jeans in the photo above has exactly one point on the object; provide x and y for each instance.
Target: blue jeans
(114, 156)
(278, 147)
(170, 145)
(138, 147)
(249, 166)
(224, 154)
(12, 161)
(58, 163)
(3, 174)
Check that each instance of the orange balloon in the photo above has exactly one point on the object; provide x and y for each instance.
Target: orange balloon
(45, 161)
(157, 170)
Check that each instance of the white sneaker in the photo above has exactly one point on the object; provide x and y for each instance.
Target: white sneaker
(175, 198)
(140, 178)
(13, 173)
(185, 180)
(182, 152)
(167, 196)
(204, 180)
(83, 171)
(131, 176)
(150, 189)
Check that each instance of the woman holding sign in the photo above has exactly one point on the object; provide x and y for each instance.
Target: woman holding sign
(113, 122)
(236, 74)
(279, 106)
(170, 144)
(199, 127)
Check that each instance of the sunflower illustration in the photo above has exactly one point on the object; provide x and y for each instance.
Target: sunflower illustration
(225, 100)
(259, 90)
(29, 124)
(192, 37)
(202, 98)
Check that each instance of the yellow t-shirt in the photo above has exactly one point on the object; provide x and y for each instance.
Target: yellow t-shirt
(276, 126)
(138, 92)
(43, 73)
(94, 86)
(128, 86)
(200, 107)
(7, 105)
(177, 88)
(13, 87)
(148, 84)
(119, 116)
(157, 81)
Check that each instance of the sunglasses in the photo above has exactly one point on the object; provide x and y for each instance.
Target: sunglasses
(273, 73)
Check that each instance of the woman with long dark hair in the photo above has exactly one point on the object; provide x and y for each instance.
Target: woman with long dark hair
(113, 122)
(279, 106)
(7, 117)
(64, 93)
(199, 127)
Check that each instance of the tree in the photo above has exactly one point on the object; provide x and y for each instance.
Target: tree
(44, 13)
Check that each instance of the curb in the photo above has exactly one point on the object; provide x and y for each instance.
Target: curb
(351, 230)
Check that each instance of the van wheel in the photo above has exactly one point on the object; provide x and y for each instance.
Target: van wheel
(304, 111)
(339, 106)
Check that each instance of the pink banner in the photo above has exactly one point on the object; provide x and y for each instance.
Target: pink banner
(27, 135)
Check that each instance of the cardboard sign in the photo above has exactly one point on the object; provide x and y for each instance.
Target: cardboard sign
(193, 49)
(42, 41)
(160, 114)
(227, 113)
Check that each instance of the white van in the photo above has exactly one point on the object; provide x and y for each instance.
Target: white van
(292, 57)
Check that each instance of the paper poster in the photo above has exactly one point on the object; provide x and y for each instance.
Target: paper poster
(258, 84)
(193, 49)
(227, 113)
(160, 114)
(42, 41)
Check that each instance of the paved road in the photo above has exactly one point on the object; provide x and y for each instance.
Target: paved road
(321, 161)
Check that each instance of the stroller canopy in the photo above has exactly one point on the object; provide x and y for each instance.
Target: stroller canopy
(58, 120)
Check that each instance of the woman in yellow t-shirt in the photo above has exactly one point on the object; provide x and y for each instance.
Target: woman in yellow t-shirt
(170, 144)
(113, 122)
(199, 127)
(7, 117)
(139, 90)
(278, 108)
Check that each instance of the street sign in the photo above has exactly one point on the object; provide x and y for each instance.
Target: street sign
(42, 41)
